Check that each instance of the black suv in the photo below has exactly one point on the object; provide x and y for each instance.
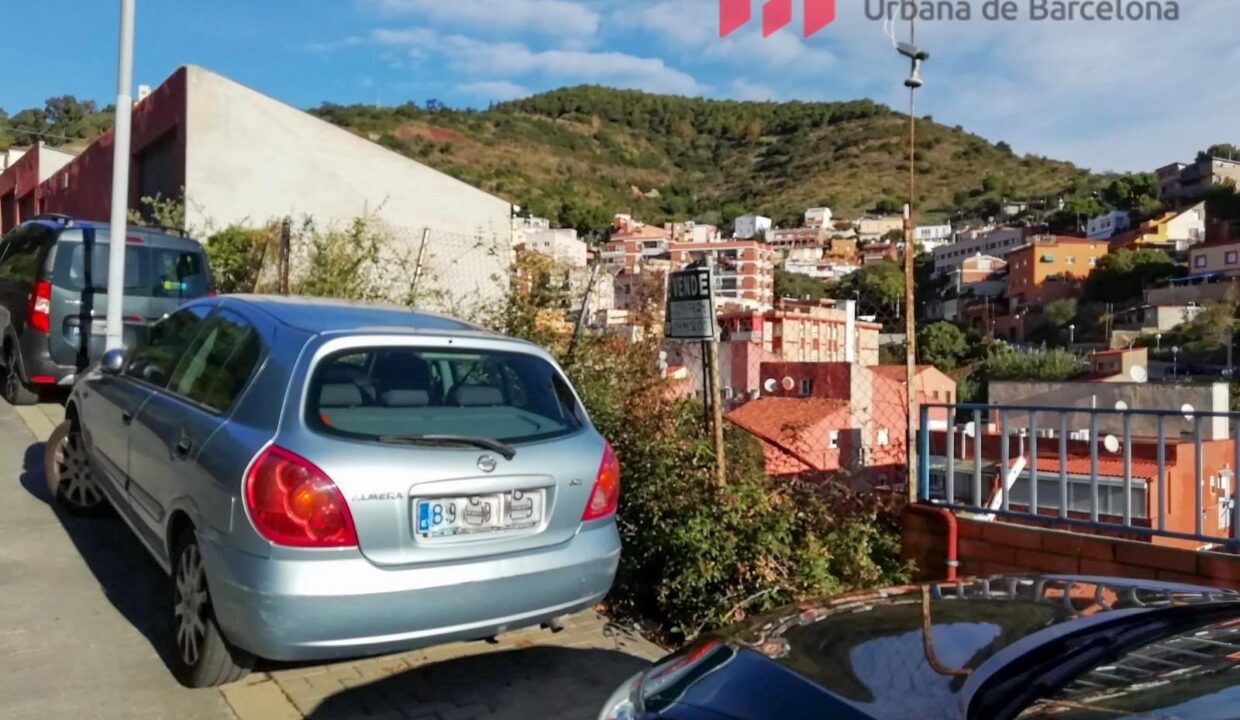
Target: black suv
(53, 295)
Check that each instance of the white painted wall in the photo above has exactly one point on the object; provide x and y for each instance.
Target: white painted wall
(1189, 226)
(1108, 225)
(751, 226)
(251, 159)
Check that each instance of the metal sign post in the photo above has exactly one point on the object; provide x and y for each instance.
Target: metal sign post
(691, 316)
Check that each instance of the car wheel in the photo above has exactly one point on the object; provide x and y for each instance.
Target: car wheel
(203, 657)
(15, 390)
(68, 473)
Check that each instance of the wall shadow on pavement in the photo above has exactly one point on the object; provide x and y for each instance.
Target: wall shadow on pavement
(130, 579)
(535, 683)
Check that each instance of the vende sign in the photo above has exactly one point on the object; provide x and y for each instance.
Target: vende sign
(816, 14)
(690, 306)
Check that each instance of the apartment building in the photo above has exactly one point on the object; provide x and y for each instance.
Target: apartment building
(1051, 268)
(692, 232)
(818, 217)
(879, 252)
(559, 244)
(1106, 226)
(1179, 183)
(632, 242)
(930, 237)
(997, 242)
(1173, 230)
(1221, 257)
(744, 273)
(749, 227)
(24, 172)
(783, 239)
(876, 227)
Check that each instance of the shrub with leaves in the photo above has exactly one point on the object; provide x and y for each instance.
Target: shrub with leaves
(697, 556)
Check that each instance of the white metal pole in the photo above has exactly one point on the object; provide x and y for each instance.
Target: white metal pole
(120, 179)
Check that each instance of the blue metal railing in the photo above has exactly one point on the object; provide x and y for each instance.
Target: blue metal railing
(1095, 483)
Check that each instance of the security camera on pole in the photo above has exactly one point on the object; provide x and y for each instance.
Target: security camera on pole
(120, 180)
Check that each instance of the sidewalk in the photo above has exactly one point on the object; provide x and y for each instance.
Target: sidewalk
(84, 609)
(67, 652)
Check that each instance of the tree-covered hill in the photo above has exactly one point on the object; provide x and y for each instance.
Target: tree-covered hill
(579, 154)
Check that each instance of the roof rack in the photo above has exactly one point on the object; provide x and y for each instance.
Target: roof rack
(58, 217)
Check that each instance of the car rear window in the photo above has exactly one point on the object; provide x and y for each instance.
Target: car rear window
(390, 391)
(82, 263)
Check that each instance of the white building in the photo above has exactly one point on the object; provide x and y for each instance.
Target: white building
(749, 227)
(1109, 225)
(818, 217)
(825, 270)
(933, 236)
(994, 241)
(237, 156)
(1189, 227)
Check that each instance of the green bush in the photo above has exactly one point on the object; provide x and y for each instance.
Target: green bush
(236, 257)
(697, 556)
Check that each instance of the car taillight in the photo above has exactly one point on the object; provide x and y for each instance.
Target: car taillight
(37, 315)
(605, 495)
(292, 502)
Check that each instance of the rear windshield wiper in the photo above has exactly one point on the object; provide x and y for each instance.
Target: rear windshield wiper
(508, 451)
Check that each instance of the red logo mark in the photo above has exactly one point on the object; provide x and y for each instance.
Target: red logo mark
(775, 15)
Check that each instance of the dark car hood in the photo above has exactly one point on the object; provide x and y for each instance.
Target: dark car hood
(918, 651)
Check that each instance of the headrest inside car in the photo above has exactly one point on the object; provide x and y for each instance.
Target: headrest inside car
(406, 398)
(338, 395)
(479, 396)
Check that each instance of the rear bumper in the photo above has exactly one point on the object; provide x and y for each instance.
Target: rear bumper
(323, 609)
(37, 362)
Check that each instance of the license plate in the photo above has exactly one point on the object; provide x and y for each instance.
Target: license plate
(478, 514)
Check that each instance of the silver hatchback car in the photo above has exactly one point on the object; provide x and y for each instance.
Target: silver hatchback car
(326, 480)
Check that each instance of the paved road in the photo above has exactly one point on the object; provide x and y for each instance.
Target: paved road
(85, 622)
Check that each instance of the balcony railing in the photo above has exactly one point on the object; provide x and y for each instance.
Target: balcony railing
(1142, 473)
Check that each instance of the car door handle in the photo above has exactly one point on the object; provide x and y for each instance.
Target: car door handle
(126, 417)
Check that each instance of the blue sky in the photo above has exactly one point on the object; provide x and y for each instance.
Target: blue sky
(1118, 95)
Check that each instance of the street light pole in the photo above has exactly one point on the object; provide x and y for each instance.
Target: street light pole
(916, 57)
(1071, 336)
(120, 180)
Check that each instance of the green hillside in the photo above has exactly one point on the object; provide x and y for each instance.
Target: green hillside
(577, 154)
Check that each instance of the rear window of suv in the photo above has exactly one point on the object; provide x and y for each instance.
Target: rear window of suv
(82, 263)
(379, 392)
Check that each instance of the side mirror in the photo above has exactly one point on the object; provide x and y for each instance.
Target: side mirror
(113, 361)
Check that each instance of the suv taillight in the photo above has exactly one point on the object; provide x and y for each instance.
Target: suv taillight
(37, 314)
(292, 502)
(605, 495)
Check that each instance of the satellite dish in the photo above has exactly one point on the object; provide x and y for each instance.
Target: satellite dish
(970, 429)
(1121, 405)
(769, 385)
(1138, 374)
(1111, 443)
(789, 383)
(1187, 410)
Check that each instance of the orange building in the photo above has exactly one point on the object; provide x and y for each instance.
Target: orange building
(744, 273)
(1050, 268)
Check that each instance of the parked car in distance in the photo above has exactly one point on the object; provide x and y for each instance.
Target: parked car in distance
(53, 295)
(1067, 648)
(327, 480)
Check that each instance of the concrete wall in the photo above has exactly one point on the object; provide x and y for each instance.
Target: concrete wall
(1138, 396)
(251, 159)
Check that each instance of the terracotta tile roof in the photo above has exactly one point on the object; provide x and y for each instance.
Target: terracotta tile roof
(1109, 466)
(798, 426)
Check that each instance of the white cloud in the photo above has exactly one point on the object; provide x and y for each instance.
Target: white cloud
(471, 56)
(494, 90)
(552, 17)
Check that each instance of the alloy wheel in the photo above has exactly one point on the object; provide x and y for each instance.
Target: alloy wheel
(190, 605)
(76, 483)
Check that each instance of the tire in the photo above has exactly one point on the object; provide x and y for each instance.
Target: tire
(14, 389)
(202, 657)
(67, 470)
